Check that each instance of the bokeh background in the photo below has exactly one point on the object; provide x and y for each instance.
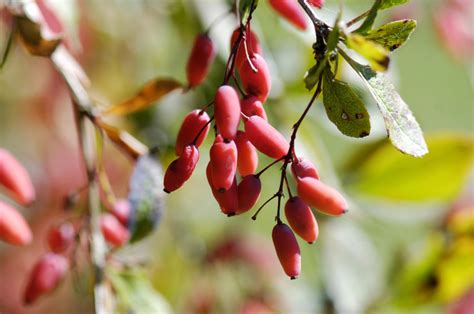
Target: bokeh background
(407, 244)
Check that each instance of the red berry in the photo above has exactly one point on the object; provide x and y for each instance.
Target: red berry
(121, 210)
(223, 163)
(249, 192)
(61, 237)
(247, 157)
(266, 138)
(193, 123)
(291, 11)
(15, 178)
(227, 111)
(321, 196)
(46, 275)
(253, 46)
(256, 83)
(287, 249)
(301, 219)
(181, 169)
(228, 200)
(201, 58)
(304, 168)
(251, 106)
(13, 227)
(316, 3)
(113, 231)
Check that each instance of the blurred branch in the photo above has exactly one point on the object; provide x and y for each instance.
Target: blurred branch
(31, 33)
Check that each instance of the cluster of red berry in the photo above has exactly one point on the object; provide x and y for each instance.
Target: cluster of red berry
(235, 151)
(52, 267)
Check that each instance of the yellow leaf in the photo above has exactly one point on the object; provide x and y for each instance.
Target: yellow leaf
(151, 92)
(376, 54)
(124, 140)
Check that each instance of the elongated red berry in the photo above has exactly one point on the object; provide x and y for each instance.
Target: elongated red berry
(181, 169)
(122, 210)
(227, 111)
(256, 83)
(251, 106)
(13, 227)
(15, 178)
(316, 3)
(249, 192)
(61, 237)
(301, 219)
(266, 138)
(200, 60)
(45, 277)
(193, 123)
(223, 163)
(113, 231)
(321, 196)
(252, 42)
(228, 200)
(247, 157)
(302, 168)
(287, 249)
(291, 11)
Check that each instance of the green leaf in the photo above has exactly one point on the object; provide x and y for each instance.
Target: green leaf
(344, 108)
(402, 127)
(246, 7)
(437, 177)
(392, 35)
(146, 197)
(391, 3)
(376, 55)
(312, 76)
(369, 21)
(135, 294)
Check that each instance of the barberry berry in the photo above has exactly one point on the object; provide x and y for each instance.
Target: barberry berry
(321, 196)
(287, 249)
(45, 277)
(200, 60)
(247, 157)
(266, 138)
(193, 123)
(301, 219)
(227, 111)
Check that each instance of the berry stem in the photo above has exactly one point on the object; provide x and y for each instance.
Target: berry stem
(254, 217)
(233, 54)
(269, 166)
(288, 156)
(202, 130)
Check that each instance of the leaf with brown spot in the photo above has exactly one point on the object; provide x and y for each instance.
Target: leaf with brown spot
(392, 35)
(344, 108)
(151, 92)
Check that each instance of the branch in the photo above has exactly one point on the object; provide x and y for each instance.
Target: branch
(318, 24)
(83, 108)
